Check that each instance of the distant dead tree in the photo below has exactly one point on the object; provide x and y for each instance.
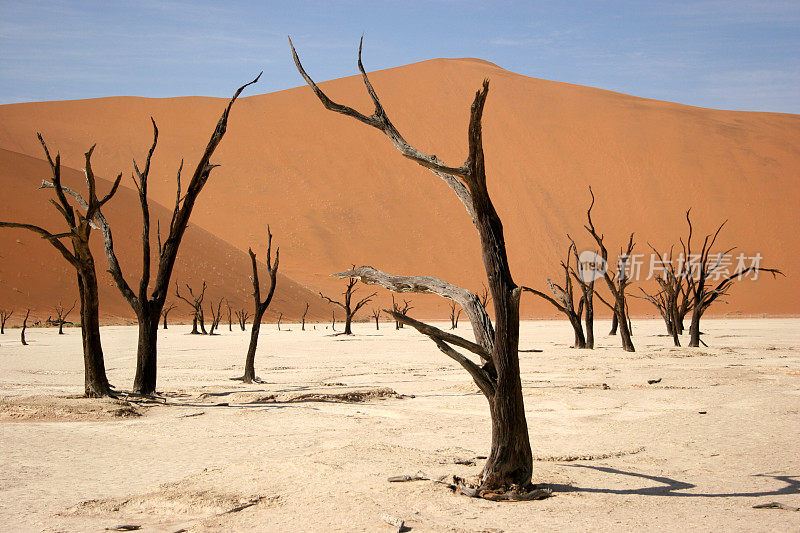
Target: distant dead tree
(584, 274)
(195, 301)
(376, 315)
(79, 228)
(349, 308)
(24, 327)
(242, 316)
(333, 320)
(148, 307)
(564, 299)
(61, 315)
(617, 281)
(303, 327)
(230, 315)
(454, 315)
(705, 269)
(165, 312)
(280, 317)
(216, 316)
(510, 463)
(485, 297)
(260, 307)
(5, 314)
(672, 296)
(401, 309)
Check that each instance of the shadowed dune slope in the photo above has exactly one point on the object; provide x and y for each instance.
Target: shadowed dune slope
(33, 274)
(336, 192)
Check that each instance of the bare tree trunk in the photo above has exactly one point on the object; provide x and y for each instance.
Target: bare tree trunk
(24, 327)
(250, 362)
(303, 326)
(144, 381)
(249, 375)
(624, 328)
(95, 381)
(614, 324)
(589, 320)
(694, 329)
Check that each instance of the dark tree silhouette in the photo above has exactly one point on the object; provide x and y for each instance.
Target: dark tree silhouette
(165, 312)
(148, 306)
(216, 316)
(510, 463)
(303, 327)
(61, 315)
(583, 273)
(260, 307)
(333, 320)
(564, 299)
(454, 315)
(5, 314)
(24, 327)
(402, 309)
(617, 281)
(376, 315)
(672, 295)
(280, 317)
(195, 301)
(242, 316)
(703, 270)
(347, 305)
(79, 228)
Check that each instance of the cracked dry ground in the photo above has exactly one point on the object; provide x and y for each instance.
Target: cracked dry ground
(312, 447)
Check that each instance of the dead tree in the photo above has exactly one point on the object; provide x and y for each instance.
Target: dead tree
(280, 317)
(333, 320)
(216, 316)
(303, 327)
(349, 308)
(584, 273)
(241, 317)
(376, 315)
(454, 315)
(704, 268)
(79, 228)
(617, 281)
(24, 327)
(195, 301)
(4, 316)
(403, 310)
(147, 307)
(61, 315)
(249, 375)
(564, 299)
(509, 465)
(672, 290)
(165, 312)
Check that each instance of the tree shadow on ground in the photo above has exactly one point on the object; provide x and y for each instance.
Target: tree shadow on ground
(673, 487)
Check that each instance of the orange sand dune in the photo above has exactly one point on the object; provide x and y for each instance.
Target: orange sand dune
(33, 274)
(336, 192)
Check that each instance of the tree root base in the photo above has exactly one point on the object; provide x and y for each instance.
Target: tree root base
(244, 379)
(510, 493)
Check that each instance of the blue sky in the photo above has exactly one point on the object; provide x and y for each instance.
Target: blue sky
(738, 54)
